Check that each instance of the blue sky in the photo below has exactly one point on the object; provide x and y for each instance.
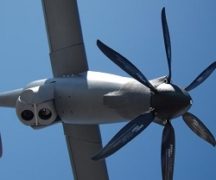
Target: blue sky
(133, 28)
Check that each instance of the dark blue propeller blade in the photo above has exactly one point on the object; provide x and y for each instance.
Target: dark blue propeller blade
(124, 64)
(125, 135)
(168, 152)
(202, 77)
(199, 128)
(167, 42)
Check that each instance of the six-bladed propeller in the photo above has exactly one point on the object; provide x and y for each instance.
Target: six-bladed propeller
(140, 123)
(174, 103)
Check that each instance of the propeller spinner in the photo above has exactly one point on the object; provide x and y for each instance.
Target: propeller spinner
(168, 102)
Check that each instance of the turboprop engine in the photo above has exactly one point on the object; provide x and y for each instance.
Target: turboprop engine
(35, 106)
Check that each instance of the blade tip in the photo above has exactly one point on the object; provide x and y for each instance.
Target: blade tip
(97, 41)
(163, 11)
(214, 143)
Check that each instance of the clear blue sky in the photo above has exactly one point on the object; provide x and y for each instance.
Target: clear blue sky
(134, 29)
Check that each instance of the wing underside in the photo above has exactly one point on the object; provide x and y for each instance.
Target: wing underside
(83, 142)
(67, 52)
(67, 55)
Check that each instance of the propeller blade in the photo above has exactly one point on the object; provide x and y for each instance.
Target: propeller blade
(167, 42)
(168, 152)
(202, 77)
(125, 64)
(125, 135)
(199, 128)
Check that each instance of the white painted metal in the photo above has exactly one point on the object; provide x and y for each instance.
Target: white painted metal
(87, 98)
(80, 99)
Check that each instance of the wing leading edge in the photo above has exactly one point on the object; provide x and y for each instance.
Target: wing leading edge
(67, 55)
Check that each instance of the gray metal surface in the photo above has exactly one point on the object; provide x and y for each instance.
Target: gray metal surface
(84, 141)
(9, 98)
(67, 50)
(80, 99)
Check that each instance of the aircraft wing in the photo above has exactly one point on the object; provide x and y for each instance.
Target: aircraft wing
(83, 141)
(67, 54)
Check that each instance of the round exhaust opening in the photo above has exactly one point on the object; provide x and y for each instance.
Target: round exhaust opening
(27, 115)
(45, 114)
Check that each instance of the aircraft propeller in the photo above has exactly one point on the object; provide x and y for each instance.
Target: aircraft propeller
(136, 126)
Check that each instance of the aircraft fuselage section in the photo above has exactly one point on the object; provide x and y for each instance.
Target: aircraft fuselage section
(88, 98)
(99, 98)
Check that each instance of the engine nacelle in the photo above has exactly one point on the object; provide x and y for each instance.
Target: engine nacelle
(35, 106)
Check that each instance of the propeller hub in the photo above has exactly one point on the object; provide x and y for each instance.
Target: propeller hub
(170, 101)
